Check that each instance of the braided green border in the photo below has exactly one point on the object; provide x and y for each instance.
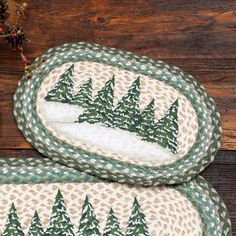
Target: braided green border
(221, 207)
(211, 208)
(39, 170)
(180, 171)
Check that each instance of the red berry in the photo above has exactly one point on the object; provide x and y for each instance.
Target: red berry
(25, 60)
(13, 36)
(1, 30)
(20, 49)
(28, 62)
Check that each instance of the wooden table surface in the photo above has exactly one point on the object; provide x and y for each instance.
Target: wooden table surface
(198, 36)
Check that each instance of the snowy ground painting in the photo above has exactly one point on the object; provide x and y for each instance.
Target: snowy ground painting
(61, 118)
(60, 112)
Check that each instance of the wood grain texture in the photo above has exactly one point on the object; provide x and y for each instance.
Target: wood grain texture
(196, 35)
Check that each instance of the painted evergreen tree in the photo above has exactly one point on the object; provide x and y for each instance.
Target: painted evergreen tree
(60, 223)
(166, 130)
(84, 97)
(146, 119)
(137, 224)
(13, 226)
(112, 226)
(62, 92)
(89, 225)
(126, 113)
(36, 228)
(101, 109)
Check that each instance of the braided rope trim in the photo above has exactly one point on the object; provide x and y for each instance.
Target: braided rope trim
(181, 171)
(221, 207)
(213, 213)
(40, 170)
(202, 195)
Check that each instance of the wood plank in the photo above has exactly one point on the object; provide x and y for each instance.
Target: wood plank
(188, 34)
(159, 29)
(223, 178)
(198, 36)
(10, 136)
(19, 153)
(222, 157)
(218, 75)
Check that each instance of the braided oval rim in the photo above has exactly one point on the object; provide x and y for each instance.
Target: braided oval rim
(148, 178)
(205, 118)
(202, 195)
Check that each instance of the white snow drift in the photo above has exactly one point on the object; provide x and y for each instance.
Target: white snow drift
(60, 112)
(61, 118)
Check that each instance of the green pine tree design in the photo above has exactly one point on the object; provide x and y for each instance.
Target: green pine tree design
(166, 130)
(60, 223)
(112, 226)
(101, 110)
(89, 225)
(137, 225)
(62, 92)
(13, 226)
(146, 119)
(84, 97)
(36, 228)
(126, 113)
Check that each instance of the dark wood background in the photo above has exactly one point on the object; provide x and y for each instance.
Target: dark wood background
(198, 36)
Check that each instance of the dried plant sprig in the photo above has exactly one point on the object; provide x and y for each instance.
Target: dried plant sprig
(4, 14)
(13, 33)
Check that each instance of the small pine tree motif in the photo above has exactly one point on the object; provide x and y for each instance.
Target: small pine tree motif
(62, 92)
(89, 224)
(166, 130)
(13, 226)
(100, 111)
(146, 119)
(60, 223)
(126, 113)
(36, 228)
(112, 226)
(137, 224)
(84, 97)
